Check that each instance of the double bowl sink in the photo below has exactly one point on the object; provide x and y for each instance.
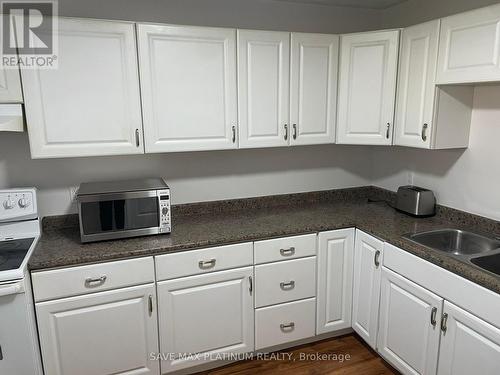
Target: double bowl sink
(469, 247)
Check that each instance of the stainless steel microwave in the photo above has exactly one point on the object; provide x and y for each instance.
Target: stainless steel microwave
(120, 209)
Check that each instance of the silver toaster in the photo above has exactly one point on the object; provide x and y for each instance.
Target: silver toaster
(416, 201)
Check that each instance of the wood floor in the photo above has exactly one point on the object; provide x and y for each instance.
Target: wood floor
(362, 361)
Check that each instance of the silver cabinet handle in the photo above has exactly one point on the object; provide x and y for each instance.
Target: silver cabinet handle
(388, 129)
(294, 131)
(424, 132)
(150, 305)
(286, 132)
(287, 252)
(444, 321)
(92, 282)
(433, 316)
(376, 258)
(206, 264)
(286, 326)
(250, 287)
(137, 140)
(287, 285)
(234, 133)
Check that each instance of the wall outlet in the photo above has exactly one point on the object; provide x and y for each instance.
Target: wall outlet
(72, 194)
(409, 178)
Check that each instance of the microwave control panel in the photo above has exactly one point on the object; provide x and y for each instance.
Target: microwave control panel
(165, 222)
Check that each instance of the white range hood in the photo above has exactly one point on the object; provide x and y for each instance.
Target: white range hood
(11, 117)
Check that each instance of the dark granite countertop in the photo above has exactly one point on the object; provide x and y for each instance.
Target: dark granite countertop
(211, 224)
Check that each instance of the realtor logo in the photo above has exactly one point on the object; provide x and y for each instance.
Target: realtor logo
(29, 30)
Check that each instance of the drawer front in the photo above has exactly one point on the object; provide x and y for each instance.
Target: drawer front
(284, 323)
(193, 262)
(285, 248)
(92, 278)
(285, 281)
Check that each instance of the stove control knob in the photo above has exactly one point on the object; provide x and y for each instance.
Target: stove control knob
(23, 202)
(8, 204)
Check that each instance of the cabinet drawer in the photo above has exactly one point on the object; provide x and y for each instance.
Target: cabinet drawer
(285, 281)
(284, 323)
(284, 248)
(193, 262)
(91, 278)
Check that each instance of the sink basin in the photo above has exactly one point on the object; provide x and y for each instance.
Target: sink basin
(488, 262)
(455, 241)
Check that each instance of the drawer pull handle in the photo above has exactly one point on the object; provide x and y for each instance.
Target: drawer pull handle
(287, 252)
(206, 264)
(287, 286)
(93, 282)
(289, 326)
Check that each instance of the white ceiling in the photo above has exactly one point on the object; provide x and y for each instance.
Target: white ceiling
(369, 4)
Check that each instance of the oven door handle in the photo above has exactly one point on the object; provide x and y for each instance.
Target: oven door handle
(10, 289)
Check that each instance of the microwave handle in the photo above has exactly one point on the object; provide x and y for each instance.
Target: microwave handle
(7, 290)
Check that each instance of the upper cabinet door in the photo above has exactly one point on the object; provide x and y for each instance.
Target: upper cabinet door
(416, 88)
(313, 91)
(188, 82)
(90, 104)
(263, 88)
(367, 87)
(469, 345)
(10, 86)
(469, 47)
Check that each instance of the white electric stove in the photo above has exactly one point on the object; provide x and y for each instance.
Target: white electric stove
(19, 233)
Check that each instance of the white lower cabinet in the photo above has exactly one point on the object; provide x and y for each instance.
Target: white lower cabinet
(111, 332)
(284, 323)
(469, 345)
(207, 315)
(409, 326)
(335, 267)
(366, 286)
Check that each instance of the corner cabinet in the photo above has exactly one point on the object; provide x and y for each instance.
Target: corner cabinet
(188, 82)
(335, 269)
(206, 315)
(368, 254)
(110, 332)
(313, 88)
(90, 104)
(468, 47)
(367, 87)
(263, 88)
(427, 115)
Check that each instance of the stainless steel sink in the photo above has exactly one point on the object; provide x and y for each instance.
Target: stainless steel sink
(472, 248)
(455, 241)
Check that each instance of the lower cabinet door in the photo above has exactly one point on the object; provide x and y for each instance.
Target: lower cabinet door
(409, 326)
(335, 266)
(469, 345)
(368, 254)
(112, 332)
(288, 322)
(205, 317)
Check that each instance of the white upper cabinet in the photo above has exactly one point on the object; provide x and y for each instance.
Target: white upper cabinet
(416, 87)
(263, 88)
(10, 86)
(469, 345)
(313, 88)
(367, 87)
(90, 104)
(188, 82)
(469, 47)
(409, 326)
